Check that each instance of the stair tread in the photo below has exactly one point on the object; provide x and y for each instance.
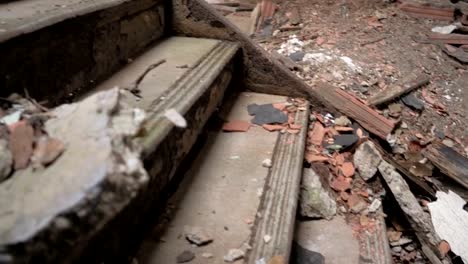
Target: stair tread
(220, 190)
(25, 16)
(177, 51)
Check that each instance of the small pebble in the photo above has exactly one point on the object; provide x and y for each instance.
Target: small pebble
(185, 256)
(266, 163)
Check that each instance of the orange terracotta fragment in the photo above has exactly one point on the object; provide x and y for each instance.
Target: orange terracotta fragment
(236, 126)
(347, 169)
(272, 128)
(315, 158)
(317, 134)
(340, 184)
(343, 129)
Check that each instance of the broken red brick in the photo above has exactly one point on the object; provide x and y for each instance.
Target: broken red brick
(21, 143)
(272, 128)
(236, 126)
(341, 184)
(317, 133)
(315, 158)
(347, 169)
(343, 129)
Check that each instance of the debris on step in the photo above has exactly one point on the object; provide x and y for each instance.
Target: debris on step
(236, 126)
(314, 200)
(233, 255)
(267, 163)
(375, 205)
(412, 101)
(21, 143)
(11, 118)
(410, 83)
(74, 180)
(266, 114)
(449, 161)
(317, 134)
(451, 222)
(47, 150)
(355, 109)
(367, 159)
(176, 118)
(273, 128)
(444, 29)
(197, 235)
(185, 256)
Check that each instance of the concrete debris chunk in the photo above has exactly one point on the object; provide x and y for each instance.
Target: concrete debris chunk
(176, 118)
(367, 159)
(375, 205)
(197, 235)
(342, 121)
(267, 163)
(450, 221)
(233, 255)
(315, 201)
(99, 158)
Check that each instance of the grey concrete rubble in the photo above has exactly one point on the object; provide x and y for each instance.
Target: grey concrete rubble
(367, 159)
(98, 154)
(197, 235)
(315, 200)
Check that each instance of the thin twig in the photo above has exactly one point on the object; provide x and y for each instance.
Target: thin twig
(133, 87)
(34, 102)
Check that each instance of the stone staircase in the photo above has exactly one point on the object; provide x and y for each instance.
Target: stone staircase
(179, 67)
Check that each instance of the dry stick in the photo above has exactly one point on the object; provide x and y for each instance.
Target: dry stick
(34, 102)
(133, 87)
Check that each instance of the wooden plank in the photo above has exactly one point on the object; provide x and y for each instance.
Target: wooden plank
(450, 162)
(409, 83)
(354, 108)
(274, 227)
(418, 219)
(459, 39)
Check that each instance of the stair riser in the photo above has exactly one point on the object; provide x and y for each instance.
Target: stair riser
(68, 58)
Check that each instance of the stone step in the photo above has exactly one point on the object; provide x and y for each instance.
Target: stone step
(57, 49)
(114, 170)
(228, 189)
